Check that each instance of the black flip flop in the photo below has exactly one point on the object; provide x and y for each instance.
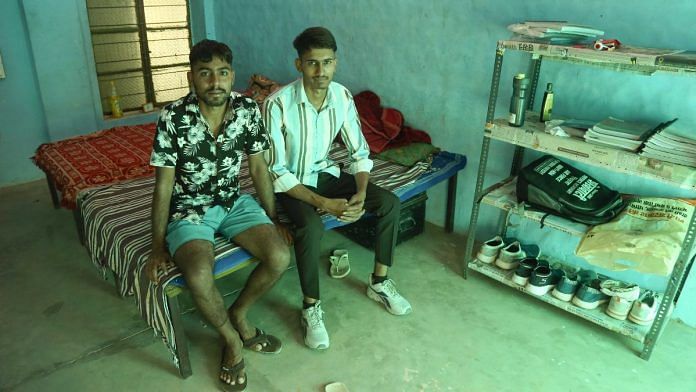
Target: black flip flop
(269, 343)
(233, 372)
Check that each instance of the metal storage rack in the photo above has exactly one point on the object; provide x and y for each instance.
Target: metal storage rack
(531, 136)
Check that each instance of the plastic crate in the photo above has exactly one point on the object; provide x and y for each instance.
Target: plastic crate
(411, 222)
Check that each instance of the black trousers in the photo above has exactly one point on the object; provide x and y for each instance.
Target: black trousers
(309, 228)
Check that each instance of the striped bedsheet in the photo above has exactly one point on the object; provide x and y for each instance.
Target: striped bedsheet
(116, 220)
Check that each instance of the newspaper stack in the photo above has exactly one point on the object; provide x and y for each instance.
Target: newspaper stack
(616, 133)
(555, 32)
(672, 145)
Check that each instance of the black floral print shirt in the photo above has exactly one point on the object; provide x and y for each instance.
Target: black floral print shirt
(207, 170)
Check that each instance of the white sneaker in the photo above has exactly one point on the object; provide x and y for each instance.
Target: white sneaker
(386, 294)
(617, 288)
(510, 255)
(644, 308)
(315, 335)
(489, 250)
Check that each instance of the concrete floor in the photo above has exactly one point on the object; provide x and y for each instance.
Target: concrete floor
(64, 328)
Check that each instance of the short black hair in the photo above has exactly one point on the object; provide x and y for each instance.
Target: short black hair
(314, 38)
(207, 49)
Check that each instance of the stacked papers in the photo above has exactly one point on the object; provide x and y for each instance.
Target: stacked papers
(557, 32)
(620, 134)
(672, 145)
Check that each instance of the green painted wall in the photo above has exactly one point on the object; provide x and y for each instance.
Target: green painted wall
(433, 60)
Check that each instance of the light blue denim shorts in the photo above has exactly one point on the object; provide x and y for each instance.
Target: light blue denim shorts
(245, 214)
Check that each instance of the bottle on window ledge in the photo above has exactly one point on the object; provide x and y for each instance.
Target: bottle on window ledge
(546, 104)
(115, 102)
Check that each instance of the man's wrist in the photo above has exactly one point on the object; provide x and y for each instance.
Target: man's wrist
(319, 201)
(158, 245)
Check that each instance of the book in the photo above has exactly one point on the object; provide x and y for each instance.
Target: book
(671, 144)
(668, 157)
(623, 129)
(664, 142)
(677, 135)
(555, 32)
(563, 27)
(609, 141)
(670, 148)
(617, 139)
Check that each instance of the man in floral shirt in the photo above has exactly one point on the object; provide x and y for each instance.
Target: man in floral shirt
(200, 142)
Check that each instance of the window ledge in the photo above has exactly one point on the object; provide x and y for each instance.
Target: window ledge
(131, 117)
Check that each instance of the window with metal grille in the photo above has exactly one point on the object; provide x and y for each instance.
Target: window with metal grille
(141, 46)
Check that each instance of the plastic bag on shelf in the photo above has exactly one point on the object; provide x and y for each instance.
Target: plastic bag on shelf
(568, 127)
(647, 236)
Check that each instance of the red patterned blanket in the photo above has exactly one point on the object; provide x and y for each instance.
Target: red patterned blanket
(100, 158)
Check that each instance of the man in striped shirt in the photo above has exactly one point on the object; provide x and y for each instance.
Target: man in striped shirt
(303, 119)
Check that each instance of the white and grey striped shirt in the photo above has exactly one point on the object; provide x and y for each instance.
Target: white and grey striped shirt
(301, 137)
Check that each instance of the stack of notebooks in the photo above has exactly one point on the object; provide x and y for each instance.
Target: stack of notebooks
(672, 145)
(555, 32)
(616, 133)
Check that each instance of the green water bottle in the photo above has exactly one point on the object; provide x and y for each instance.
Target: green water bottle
(518, 102)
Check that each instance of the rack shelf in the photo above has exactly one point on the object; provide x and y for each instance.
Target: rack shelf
(625, 58)
(503, 196)
(532, 136)
(597, 316)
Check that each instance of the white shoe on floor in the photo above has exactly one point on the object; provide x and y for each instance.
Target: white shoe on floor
(386, 294)
(315, 335)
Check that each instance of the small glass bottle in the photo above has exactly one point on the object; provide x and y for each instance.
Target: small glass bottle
(115, 102)
(546, 104)
(518, 102)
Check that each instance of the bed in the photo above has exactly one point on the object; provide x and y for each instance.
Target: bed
(116, 224)
(110, 156)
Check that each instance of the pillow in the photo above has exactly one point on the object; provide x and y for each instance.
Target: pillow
(260, 87)
(409, 154)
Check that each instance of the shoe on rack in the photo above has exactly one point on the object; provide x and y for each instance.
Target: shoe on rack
(510, 255)
(542, 279)
(567, 284)
(644, 308)
(619, 307)
(489, 250)
(617, 288)
(524, 270)
(622, 297)
(386, 294)
(315, 335)
(589, 295)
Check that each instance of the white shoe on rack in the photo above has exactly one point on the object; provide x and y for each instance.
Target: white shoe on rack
(510, 255)
(489, 250)
(644, 308)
